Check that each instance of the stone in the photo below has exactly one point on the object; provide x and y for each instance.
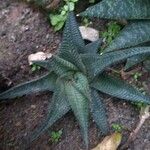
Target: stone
(89, 33)
(38, 57)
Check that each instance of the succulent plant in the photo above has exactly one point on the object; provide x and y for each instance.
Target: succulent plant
(75, 75)
(135, 33)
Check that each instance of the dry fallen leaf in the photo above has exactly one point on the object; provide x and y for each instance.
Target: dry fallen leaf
(110, 142)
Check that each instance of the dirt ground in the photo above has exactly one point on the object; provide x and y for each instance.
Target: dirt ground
(25, 30)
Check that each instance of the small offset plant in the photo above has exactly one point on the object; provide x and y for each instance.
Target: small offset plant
(117, 127)
(137, 75)
(112, 31)
(56, 136)
(75, 75)
(58, 19)
(86, 22)
(35, 67)
(135, 33)
(138, 105)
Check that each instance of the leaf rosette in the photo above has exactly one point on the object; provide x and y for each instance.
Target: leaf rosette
(75, 75)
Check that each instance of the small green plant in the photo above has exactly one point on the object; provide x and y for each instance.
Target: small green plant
(117, 127)
(137, 75)
(113, 29)
(138, 105)
(58, 19)
(86, 22)
(135, 33)
(35, 67)
(56, 136)
(75, 75)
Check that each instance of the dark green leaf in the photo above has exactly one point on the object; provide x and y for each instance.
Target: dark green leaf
(96, 64)
(134, 60)
(58, 108)
(73, 57)
(72, 43)
(72, 35)
(133, 34)
(79, 102)
(120, 9)
(118, 88)
(46, 82)
(61, 66)
(93, 47)
(98, 112)
(45, 64)
(146, 64)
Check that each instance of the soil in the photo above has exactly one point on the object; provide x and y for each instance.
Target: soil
(23, 31)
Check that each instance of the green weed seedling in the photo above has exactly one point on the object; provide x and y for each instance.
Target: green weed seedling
(58, 19)
(112, 31)
(35, 67)
(56, 136)
(138, 105)
(117, 127)
(136, 76)
(86, 22)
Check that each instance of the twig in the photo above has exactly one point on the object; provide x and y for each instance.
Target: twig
(144, 115)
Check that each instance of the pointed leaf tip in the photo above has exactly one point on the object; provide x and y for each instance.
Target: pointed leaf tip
(117, 9)
(98, 112)
(44, 83)
(76, 92)
(130, 34)
(58, 108)
(119, 88)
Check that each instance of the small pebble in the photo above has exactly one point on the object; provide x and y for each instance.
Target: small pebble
(25, 28)
(33, 106)
(38, 57)
(18, 124)
(89, 33)
(12, 37)
(47, 36)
